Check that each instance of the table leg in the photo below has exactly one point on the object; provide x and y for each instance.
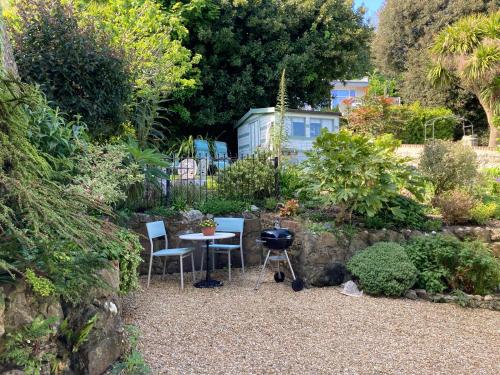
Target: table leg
(208, 282)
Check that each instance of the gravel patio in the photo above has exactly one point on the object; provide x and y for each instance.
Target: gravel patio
(236, 330)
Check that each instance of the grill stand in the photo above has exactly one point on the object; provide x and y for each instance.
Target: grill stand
(297, 284)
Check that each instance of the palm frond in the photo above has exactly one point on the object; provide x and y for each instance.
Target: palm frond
(484, 60)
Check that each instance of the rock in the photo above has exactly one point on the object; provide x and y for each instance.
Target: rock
(482, 234)
(411, 294)
(254, 208)
(495, 247)
(13, 372)
(351, 289)
(488, 298)
(495, 234)
(421, 293)
(477, 297)
(192, 216)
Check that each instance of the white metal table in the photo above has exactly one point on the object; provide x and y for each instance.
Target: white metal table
(208, 282)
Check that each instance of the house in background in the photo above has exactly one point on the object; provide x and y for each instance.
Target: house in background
(302, 127)
(347, 94)
(348, 91)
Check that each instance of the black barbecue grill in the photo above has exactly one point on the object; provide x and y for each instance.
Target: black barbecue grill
(277, 240)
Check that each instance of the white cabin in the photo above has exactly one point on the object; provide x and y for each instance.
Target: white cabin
(302, 127)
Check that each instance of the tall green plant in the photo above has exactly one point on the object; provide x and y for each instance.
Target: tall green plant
(279, 134)
(358, 173)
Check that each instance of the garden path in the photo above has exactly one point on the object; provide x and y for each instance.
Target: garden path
(236, 330)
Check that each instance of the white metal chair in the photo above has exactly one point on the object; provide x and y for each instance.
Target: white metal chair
(231, 225)
(156, 230)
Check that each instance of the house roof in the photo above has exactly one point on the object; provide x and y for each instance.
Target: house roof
(260, 111)
(351, 82)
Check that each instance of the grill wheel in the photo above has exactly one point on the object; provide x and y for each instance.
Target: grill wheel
(279, 277)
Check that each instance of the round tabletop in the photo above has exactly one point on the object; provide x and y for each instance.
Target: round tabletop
(201, 237)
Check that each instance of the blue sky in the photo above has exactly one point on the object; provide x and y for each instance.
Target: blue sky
(372, 6)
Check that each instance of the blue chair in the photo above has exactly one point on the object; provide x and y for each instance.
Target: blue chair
(156, 230)
(202, 149)
(221, 155)
(231, 225)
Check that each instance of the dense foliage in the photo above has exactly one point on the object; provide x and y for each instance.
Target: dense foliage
(383, 269)
(411, 123)
(161, 68)
(468, 53)
(246, 44)
(75, 66)
(444, 262)
(358, 173)
(218, 206)
(448, 165)
(455, 206)
(405, 30)
(251, 177)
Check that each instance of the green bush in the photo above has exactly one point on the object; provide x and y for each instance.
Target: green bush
(448, 165)
(416, 117)
(358, 173)
(444, 262)
(73, 64)
(218, 206)
(292, 183)
(383, 269)
(402, 212)
(482, 212)
(249, 178)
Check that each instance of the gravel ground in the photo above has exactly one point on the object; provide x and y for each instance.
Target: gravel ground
(237, 330)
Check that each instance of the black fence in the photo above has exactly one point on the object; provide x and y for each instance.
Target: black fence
(192, 180)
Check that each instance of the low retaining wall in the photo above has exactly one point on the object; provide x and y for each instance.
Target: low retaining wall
(314, 256)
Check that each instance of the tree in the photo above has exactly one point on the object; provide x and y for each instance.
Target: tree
(74, 65)
(469, 51)
(400, 50)
(246, 45)
(161, 68)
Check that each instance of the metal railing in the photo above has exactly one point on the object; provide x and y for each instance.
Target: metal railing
(193, 180)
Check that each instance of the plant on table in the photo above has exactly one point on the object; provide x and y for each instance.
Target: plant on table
(208, 227)
(383, 269)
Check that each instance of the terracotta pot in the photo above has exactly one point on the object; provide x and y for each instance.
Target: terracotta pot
(208, 231)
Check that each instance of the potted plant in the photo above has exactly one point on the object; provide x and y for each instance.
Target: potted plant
(208, 227)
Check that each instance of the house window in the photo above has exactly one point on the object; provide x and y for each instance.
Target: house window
(339, 95)
(315, 128)
(298, 127)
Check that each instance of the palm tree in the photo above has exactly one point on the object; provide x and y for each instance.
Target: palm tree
(468, 53)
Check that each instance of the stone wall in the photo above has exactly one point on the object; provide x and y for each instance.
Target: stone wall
(314, 256)
(189, 224)
(104, 344)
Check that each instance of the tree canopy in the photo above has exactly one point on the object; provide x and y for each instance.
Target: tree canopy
(468, 51)
(245, 45)
(400, 50)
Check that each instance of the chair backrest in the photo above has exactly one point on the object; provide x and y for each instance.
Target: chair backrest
(156, 229)
(229, 224)
(220, 149)
(202, 148)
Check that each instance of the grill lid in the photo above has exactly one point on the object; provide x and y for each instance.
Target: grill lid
(278, 238)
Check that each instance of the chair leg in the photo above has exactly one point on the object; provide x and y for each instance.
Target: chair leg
(193, 270)
(229, 264)
(164, 265)
(213, 260)
(201, 264)
(242, 261)
(182, 271)
(150, 266)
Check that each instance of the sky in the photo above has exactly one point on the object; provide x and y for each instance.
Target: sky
(372, 6)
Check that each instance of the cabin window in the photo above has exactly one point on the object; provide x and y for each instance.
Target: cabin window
(298, 127)
(315, 128)
(339, 95)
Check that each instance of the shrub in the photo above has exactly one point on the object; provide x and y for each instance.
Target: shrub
(292, 183)
(448, 165)
(249, 178)
(416, 117)
(455, 206)
(383, 268)
(270, 203)
(482, 212)
(444, 262)
(401, 212)
(358, 173)
(290, 208)
(74, 65)
(218, 206)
